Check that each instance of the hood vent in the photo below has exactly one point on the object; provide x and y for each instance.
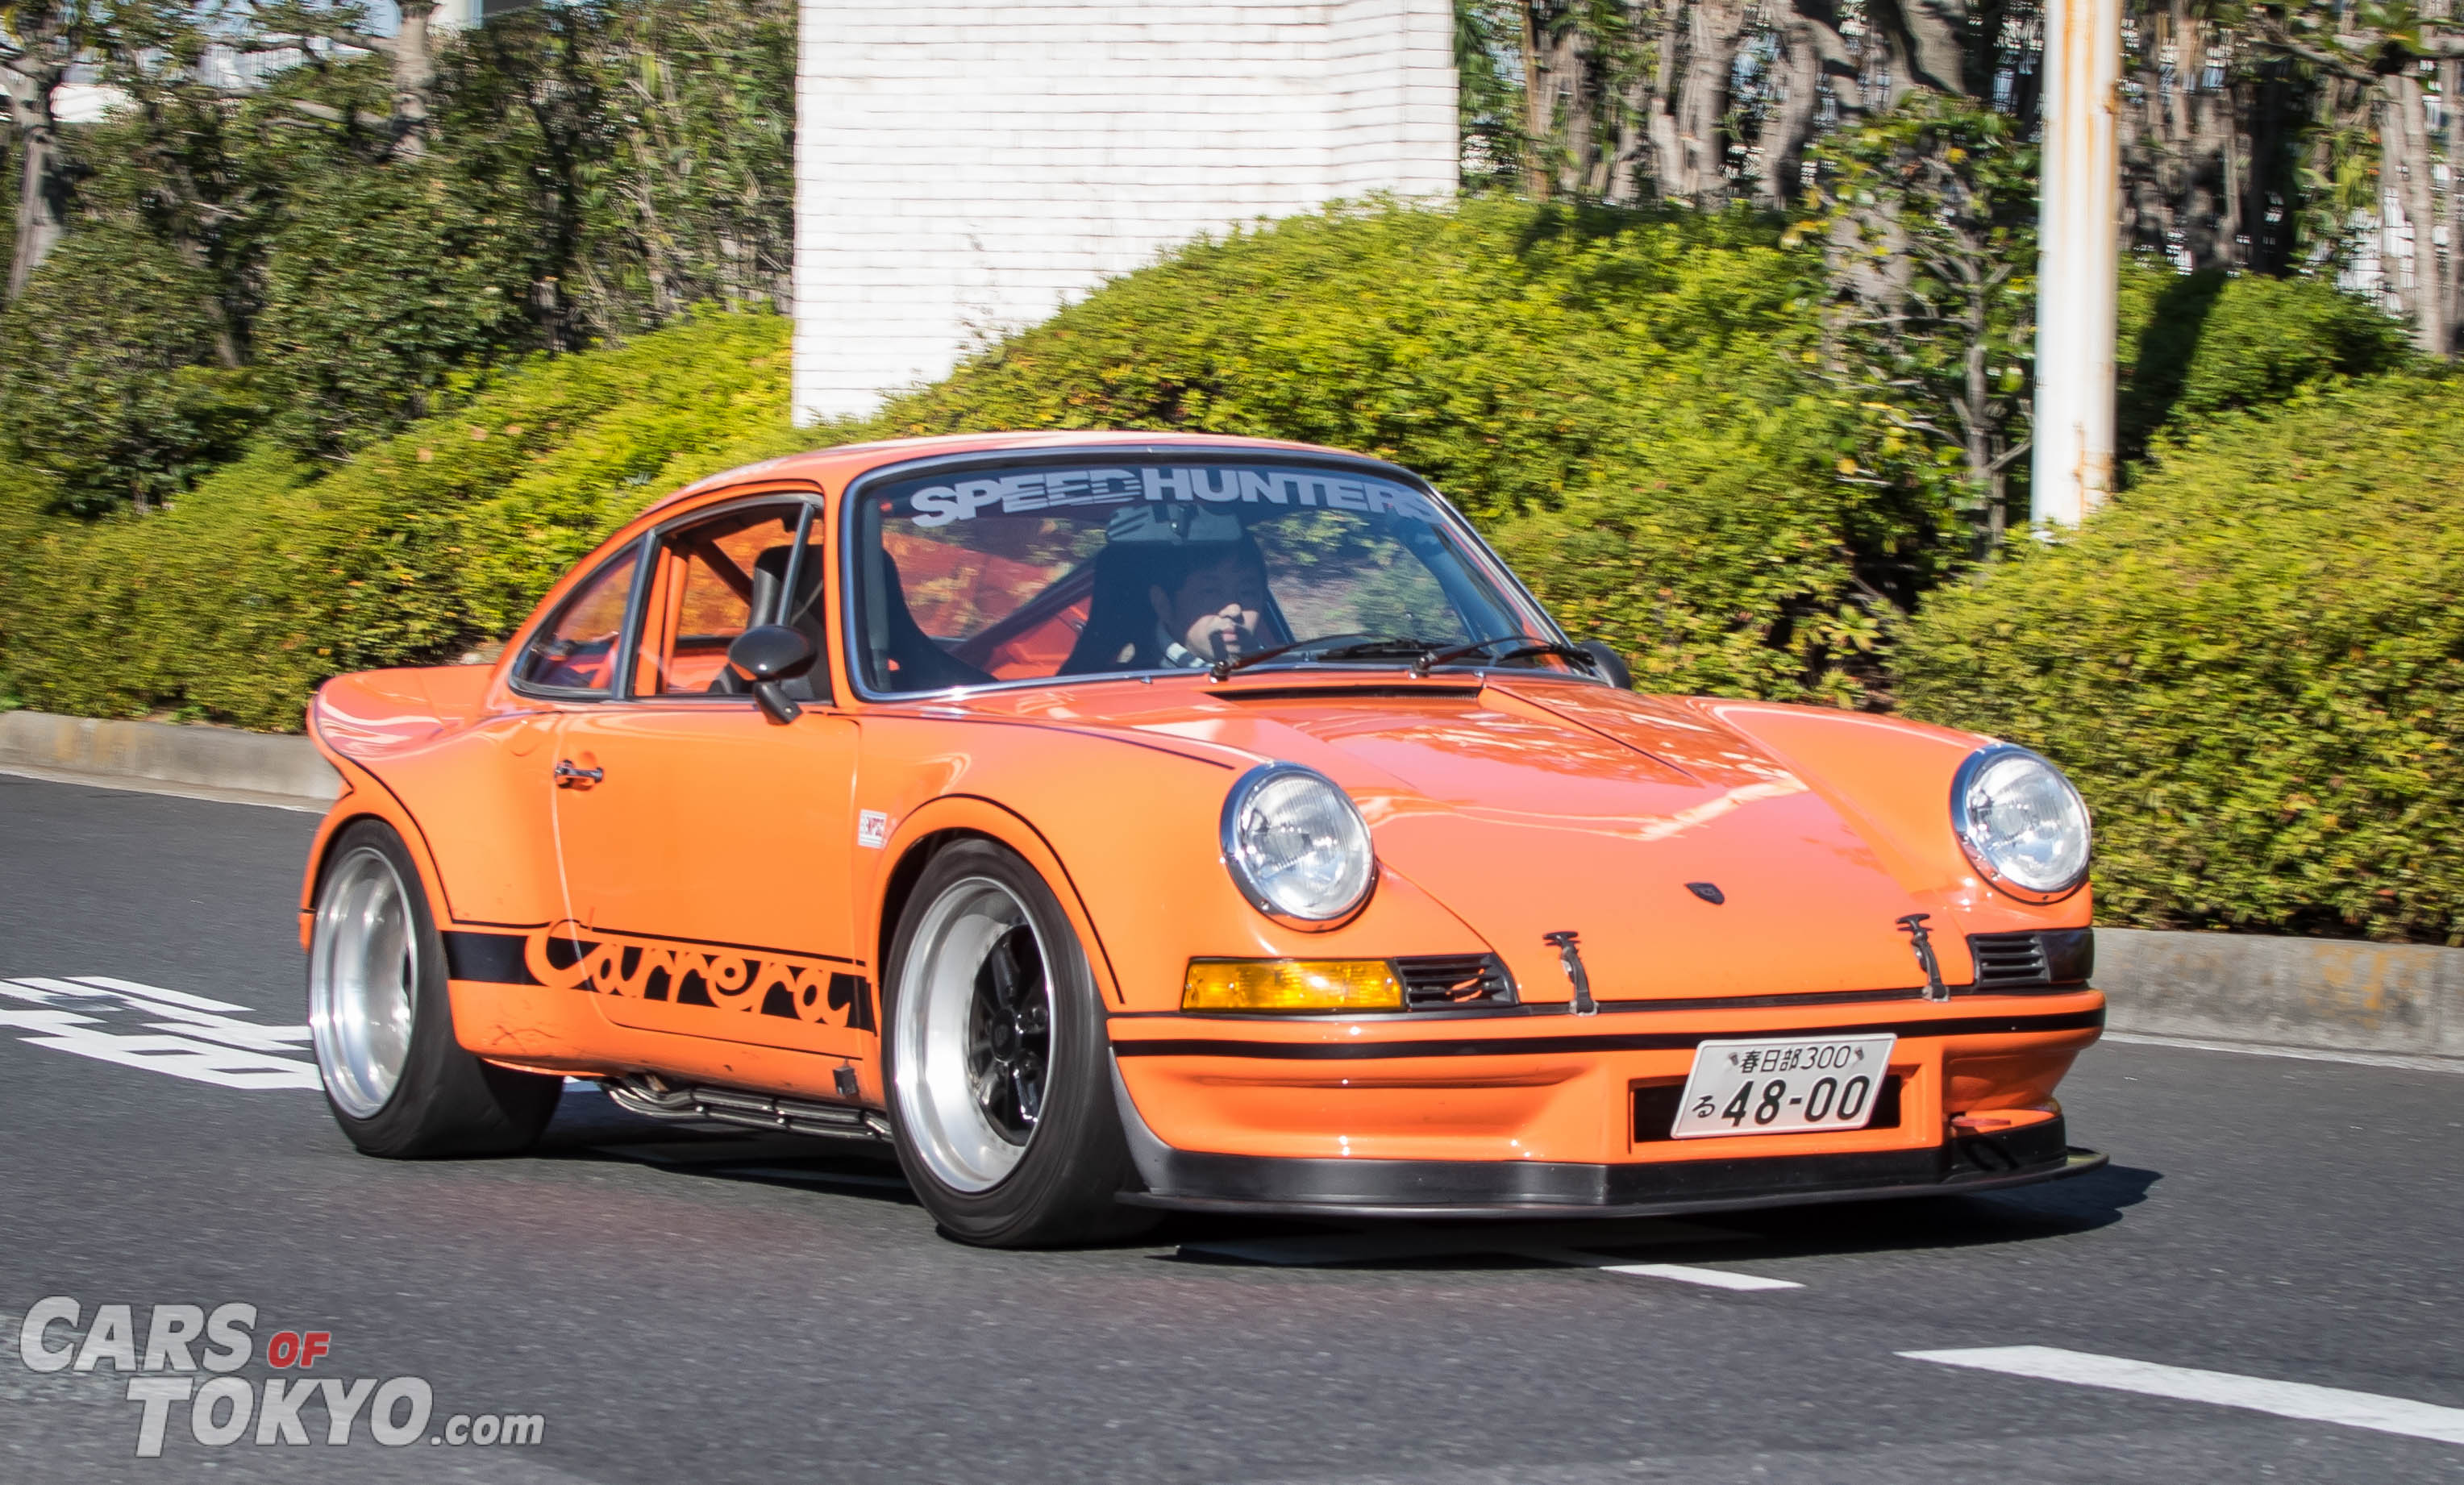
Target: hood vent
(1449, 982)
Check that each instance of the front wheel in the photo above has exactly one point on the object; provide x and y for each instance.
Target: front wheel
(383, 1025)
(1000, 1084)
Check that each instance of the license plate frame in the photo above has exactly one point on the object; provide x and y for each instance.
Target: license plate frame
(1729, 1086)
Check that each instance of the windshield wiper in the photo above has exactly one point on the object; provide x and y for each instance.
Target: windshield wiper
(1525, 647)
(1361, 647)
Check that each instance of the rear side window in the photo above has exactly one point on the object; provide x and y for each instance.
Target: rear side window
(718, 578)
(576, 650)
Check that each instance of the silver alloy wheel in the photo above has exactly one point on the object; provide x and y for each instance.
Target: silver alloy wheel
(975, 1034)
(363, 963)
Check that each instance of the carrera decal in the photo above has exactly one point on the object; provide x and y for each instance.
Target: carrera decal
(760, 982)
(1222, 484)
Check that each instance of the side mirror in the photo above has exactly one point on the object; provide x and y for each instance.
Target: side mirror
(767, 655)
(1612, 664)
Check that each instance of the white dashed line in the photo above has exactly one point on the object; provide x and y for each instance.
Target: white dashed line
(2188, 1383)
(1710, 1278)
(1677, 1273)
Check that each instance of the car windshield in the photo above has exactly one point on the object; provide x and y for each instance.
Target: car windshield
(1043, 570)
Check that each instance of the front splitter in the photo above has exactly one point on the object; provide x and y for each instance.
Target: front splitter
(1453, 1190)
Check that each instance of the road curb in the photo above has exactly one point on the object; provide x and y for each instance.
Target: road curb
(270, 769)
(2262, 991)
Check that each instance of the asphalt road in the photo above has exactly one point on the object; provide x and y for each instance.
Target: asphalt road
(731, 1308)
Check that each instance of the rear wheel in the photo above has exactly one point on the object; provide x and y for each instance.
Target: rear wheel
(383, 1026)
(1000, 1082)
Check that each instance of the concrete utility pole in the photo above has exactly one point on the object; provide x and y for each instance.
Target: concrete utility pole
(2076, 264)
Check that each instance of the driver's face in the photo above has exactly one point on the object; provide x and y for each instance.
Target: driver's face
(1215, 612)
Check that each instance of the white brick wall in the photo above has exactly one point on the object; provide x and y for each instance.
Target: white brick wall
(965, 167)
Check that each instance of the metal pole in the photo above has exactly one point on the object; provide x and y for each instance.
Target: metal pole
(2071, 463)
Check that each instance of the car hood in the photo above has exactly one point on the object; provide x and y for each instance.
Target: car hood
(1691, 861)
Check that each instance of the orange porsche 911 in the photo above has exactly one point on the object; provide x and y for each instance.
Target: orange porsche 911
(1113, 824)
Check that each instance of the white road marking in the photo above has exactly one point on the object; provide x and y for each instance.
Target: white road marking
(2300, 1400)
(1711, 1278)
(175, 998)
(2405, 1060)
(197, 1042)
(1680, 1273)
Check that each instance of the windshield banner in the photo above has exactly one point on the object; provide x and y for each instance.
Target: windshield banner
(1030, 491)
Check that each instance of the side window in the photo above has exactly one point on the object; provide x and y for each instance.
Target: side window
(717, 579)
(576, 650)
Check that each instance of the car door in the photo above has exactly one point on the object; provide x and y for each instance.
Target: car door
(706, 849)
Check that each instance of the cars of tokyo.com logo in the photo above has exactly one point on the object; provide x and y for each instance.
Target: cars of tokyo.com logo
(162, 1357)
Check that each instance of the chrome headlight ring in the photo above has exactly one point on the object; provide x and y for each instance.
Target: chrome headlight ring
(2021, 823)
(1297, 848)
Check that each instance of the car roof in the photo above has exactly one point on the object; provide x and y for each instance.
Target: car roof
(833, 468)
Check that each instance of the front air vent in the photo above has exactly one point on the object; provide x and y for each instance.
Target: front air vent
(2060, 956)
(2007, 958)
(1446, 982)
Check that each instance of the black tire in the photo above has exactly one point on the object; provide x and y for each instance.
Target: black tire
(1061, 1189)
(443, 1102)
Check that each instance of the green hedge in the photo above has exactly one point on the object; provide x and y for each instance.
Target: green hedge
(1626, 404)
(2197, 345)
(1623, 400)
(271, 576)
(2253, 667)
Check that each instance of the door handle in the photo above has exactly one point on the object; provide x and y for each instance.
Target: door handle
(568, 777)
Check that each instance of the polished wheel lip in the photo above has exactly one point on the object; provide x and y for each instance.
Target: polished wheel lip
(363, 965)
(939, 1024)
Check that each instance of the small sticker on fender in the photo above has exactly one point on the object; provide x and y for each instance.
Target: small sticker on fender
(872, 829)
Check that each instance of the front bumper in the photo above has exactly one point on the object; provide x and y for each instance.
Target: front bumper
(1541, 1114)
(1186, 1181)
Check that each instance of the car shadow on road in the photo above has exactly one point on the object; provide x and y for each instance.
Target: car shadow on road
(2079, 1205)
(591, 1129)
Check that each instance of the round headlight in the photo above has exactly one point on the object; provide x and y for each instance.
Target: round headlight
(1296, 848)
(2020, 822)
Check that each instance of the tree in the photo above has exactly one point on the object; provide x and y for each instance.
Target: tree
(41, 41)
(1930, 216)
(2381, 50)
(313, 29)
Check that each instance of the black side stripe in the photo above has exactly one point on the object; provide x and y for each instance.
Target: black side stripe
(1613, 1041)
(488, 958)
(497, 959)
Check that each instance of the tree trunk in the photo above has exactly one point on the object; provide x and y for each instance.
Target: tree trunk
(1790, 127)
(1932, 36)
(1539, 110)
(2404, 172)
(414, 78)
(42, 198)
(1713, 30)
(2451, 78)
(28, 84)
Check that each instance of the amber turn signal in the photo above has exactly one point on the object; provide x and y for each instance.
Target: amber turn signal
(1291, 985)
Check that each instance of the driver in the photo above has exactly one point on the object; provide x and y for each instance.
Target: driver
(1211, 612)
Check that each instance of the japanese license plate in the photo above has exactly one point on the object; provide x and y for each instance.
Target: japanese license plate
(1776, 1086)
